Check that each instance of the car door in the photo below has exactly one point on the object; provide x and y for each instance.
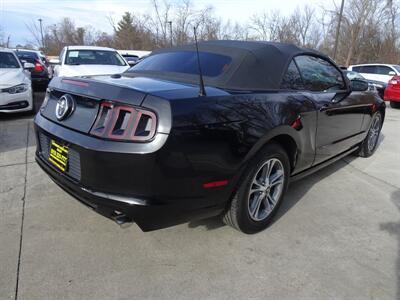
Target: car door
(339, 112)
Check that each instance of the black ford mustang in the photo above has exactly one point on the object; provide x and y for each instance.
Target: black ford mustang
(152, 146)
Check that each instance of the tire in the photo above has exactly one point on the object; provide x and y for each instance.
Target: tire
(370, 143)
(242, 212)
(394, 104)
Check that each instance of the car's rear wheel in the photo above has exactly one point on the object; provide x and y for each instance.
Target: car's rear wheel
(370, 143)
(260, 191)
(394, 104)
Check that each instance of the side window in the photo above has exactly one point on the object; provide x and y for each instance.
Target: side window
(292, 79)
(358, 69)
(383, 70)
(319, 75)
(369, 69)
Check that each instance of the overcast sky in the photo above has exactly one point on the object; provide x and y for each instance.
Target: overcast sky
(14, 14)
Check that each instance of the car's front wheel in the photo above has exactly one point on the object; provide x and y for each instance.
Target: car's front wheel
(370, 143)
(260, 191)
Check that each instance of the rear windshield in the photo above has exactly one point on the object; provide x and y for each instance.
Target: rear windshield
(8, 61)
(212, 64)
(94, 57)
(397, 67)
(29, 57)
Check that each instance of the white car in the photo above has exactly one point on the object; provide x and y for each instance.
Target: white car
(377, 72)
(132, 56)
(88, 60)
(15, 83)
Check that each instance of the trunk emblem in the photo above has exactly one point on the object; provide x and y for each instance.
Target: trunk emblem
(65, 106)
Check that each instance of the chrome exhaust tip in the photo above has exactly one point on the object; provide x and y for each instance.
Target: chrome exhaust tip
(122, 220)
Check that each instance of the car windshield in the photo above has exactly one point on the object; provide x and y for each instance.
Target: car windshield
(354, 75)
(212, 64)
(8, 61)
(94, 57)
(25, 56)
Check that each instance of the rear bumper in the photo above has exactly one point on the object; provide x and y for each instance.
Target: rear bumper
(392, 94)
(147, 215)
(42, 79)
(138, 180)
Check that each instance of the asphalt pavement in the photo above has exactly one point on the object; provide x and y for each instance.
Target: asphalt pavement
(336, 236)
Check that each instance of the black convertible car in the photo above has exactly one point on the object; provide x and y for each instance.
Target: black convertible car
(186, 134)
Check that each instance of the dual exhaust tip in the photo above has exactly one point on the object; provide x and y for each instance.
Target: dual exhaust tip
(121, 219)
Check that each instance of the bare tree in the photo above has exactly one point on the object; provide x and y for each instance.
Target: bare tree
(266, 25)
(160, 21)
(34, 31)
(369, 32)
(303, 21)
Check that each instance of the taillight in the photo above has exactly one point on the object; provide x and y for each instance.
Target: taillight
(38, 67)
(395, 80)
(124, 123)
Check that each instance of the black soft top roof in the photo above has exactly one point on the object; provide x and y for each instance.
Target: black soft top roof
(254, 65)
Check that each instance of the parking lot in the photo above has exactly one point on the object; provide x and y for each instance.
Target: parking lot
(336, 236)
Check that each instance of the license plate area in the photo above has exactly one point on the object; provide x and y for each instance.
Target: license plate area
(58, 155)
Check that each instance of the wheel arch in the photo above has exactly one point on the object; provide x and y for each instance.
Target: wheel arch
(286, 137)
(290, 147)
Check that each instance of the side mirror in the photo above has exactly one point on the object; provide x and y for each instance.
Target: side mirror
(131, 62)
(392, 73)
(28, 66)
(55, 61)
(358, 85)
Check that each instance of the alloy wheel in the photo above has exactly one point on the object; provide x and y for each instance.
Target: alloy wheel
(266, 189)
(374, 132)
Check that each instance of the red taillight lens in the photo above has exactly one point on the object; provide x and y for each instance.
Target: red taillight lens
(395, 80)
(124, 123)
(38, 67)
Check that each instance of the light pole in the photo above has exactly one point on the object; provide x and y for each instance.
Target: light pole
(41, 31)
(170, 31)
(338, 30)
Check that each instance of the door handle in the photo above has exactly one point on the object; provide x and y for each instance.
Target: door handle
(325, 107)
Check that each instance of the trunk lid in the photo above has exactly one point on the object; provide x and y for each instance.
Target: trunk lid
(89, 91)
(87, 95)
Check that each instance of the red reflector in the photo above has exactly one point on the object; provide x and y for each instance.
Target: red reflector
(74, 82)
(213, 184)
(297, 124)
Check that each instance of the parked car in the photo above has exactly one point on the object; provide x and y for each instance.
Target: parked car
(132, 56)
(15, 83)
(42, 56)
(374, 86)
(88, 60)
(377, 72)
(182, 136)
(39, 74)
(392, 92)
